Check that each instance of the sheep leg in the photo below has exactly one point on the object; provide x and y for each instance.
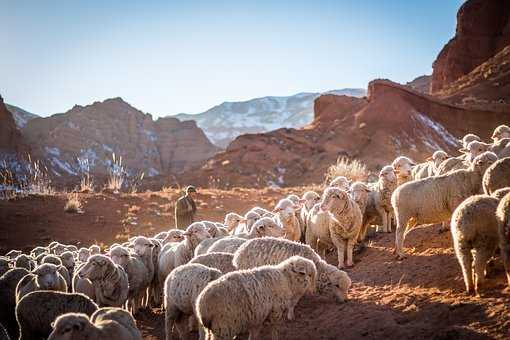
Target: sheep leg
(340, 247)
(505, 256)
(172, 313)
(350, 247)
(311, 239)
(466, 264)
(481, 256)
(403, 224)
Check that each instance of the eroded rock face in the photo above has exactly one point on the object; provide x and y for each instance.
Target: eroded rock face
(94, 132)
(394, 120)
(483, 29)
(11, 142)
(421, 84)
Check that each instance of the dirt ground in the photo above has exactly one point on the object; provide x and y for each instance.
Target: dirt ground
(421, 297)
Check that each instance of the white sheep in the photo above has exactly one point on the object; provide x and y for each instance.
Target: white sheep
(24, 261)
(403, 167)
(226, 245)
(78, 326)
(8, 284)
(94, 249)
(285, 212)
(241, 301)
(38, 251)
(309, 199)
(83, 255)
(175, 254)
(502, 131)
(144, 247)
(173, 235)
(110, 281)
(431, 166)
(359, 192)
(5, 265)
(232, 221)
(44, 277)
(249, 218)
(118, 315)
(221, 261)
(182, 288)
(433, 200)
(382, 196)
(341, 182)
(475, 238)
(497, 176)
(36, 311)
(137, 273)
(344, 223)
(503, 218)
(54, 259)
(470, 152)
(332, 282)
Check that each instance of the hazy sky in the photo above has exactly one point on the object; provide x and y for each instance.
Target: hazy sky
(167, 57)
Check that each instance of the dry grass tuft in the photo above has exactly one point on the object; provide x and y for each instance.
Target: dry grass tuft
(73, 204)
(353, 169)
(116, 175)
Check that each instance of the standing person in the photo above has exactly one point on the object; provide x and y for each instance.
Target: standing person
(185, 209)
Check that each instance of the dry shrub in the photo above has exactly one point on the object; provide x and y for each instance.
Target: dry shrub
(353, 169)
(116, 175)
(86, 182)
(73, 204)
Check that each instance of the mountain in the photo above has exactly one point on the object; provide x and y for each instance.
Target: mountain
(94, 132)
(224, 122)
(394, 120)
(11, 142)
(483, 29)
(421, 84)
(21, 117)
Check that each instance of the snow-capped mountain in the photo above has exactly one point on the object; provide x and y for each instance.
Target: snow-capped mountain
(224, 122)
(21, 117)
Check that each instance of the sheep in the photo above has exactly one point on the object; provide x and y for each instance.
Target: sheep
(403, 167)
(471, 151)
(13, 254)
(206, 244)
(332, 282)
(173, 235)
(24, 261)
(433, 200)
(78, 326)
(8, 283)
(155, 295)
(118, 315)
(83, 285)
(161, 235)
(232, 221)
(137, 273)
(5, 265)
(67, 259)
(502, 131)
(173, 255)
(144, 248)
(431, 166)
(94, 250)
(83, 254)
(497, 176)
(382, 196)
(344, 223)
(226, 245)
(182, 288)
(44, 277)
(260, 211)
(221, 261)
(359, 192)
(109, 280)
(500, 193)
(475, 237)
(249, 218)
(309, 199)
(500, 146)
(36, 311)
(57, 248)
(38, 251)
(54, 259)
(214, 230)
(341, 182)
(285, 212)
(241, 301)
(503, 218)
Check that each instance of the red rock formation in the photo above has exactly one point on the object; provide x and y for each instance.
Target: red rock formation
(483, 29)
(421, 84)
(394, 120)
(10, 137)
(96, 131)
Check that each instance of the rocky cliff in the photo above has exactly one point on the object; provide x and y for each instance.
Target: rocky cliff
(483, 29)
(94, 132)
(11, 142)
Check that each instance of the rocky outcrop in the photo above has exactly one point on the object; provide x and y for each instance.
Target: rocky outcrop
(421, 84)
(94, 132)
(21, 117)
(394, 120)
(11, 142)
(483, 29)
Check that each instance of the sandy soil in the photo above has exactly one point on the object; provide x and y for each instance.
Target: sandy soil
(420, 298)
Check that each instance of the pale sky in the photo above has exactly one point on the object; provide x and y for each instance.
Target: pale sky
(167, 57)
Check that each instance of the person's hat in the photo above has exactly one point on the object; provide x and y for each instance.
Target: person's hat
(191, 188)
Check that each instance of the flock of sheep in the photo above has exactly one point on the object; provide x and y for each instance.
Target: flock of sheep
(249, 272)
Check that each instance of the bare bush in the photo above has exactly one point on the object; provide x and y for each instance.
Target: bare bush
(353, 169)
(73, 204)
(116, 174)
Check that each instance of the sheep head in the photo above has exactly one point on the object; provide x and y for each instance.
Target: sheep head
(474, 149)
(334, 200)
(142, 245)
(83, 254)
(469, 138)
(333, 282)
(47, 276)
(174, 235)
(97, 267)
(285, 209)
(387, 175)
(342, 182)
(196, 233)
(483, 161)
(67, 259)
(266, 227)
(232, 220)
(502, 131)
(310, 198)
(119, 255)
(301, 271)
(403, 166)
(69, 326)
